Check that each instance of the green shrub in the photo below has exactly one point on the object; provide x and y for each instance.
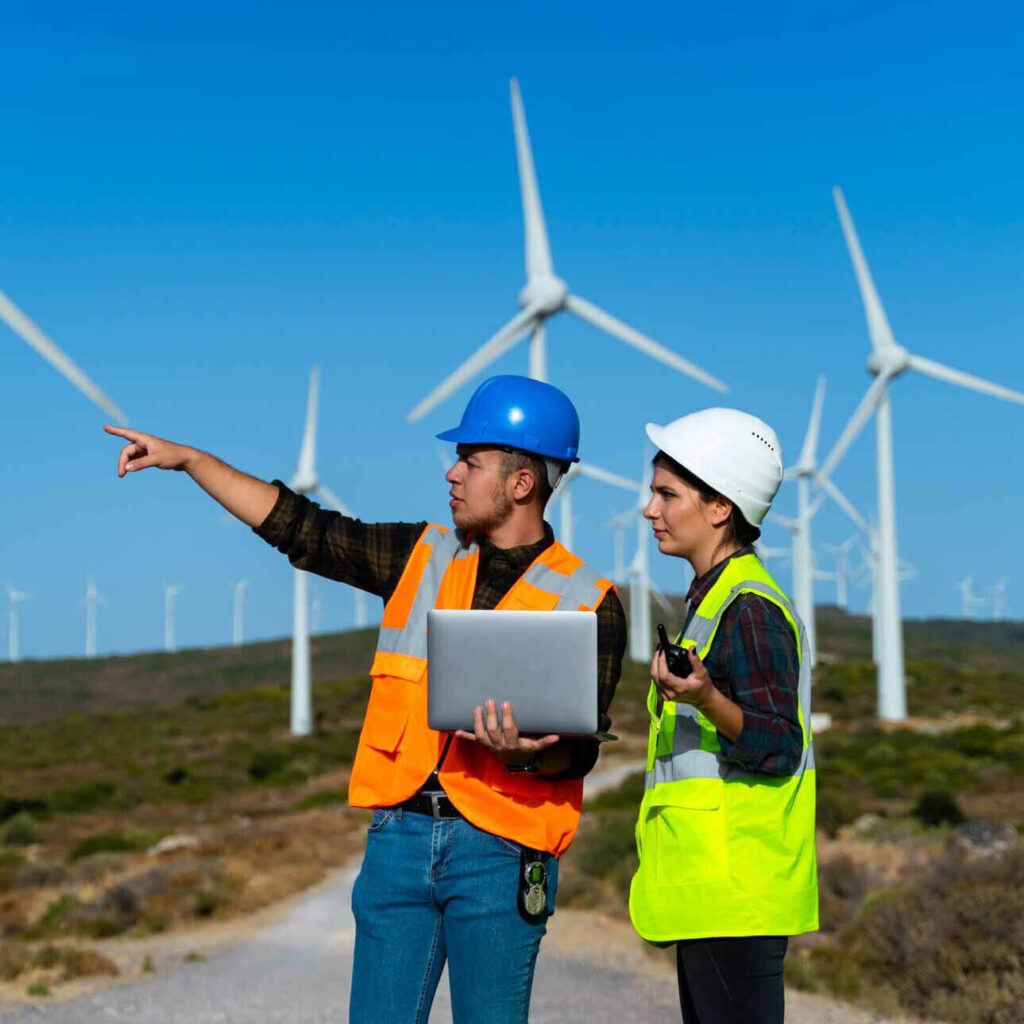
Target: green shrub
(89, 796)
(625, 796)
(267, 762)
(37, 988)
(114, 842)
(611, 844)
(21, 830)
(836, 808)
(948, 946)
(937, 807)
(325, 798)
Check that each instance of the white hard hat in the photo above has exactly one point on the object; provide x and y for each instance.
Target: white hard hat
(733, 452)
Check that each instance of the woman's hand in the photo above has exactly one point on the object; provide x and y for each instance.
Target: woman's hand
(145, 450)
(695, 689)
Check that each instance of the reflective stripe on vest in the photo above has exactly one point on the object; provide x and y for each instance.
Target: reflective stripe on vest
(724, 851)
(402, 644)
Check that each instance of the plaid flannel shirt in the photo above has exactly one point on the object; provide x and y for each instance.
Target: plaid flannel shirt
(753, 661)
(372, 557)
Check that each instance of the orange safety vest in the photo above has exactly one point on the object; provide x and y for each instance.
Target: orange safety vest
(397, 749)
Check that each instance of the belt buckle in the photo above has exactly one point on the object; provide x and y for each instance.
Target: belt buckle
(435, 800)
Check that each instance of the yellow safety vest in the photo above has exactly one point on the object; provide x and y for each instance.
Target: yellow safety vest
(724, 851)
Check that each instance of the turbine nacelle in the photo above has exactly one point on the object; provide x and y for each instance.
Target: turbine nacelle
(889, 360)
(546, 294)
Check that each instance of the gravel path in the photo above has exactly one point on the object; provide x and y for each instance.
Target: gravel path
(297, 969)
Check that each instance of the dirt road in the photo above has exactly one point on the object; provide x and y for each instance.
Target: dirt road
(294, 968)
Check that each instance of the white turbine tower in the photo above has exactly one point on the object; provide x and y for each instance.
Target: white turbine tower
(93, 598)
(34, 337)
(14, 598)
(544, 295)
(238, 589)
(170, 593)
(841, 573)
(997, 594)
(888, 360)
(307, 481)
(803, 472)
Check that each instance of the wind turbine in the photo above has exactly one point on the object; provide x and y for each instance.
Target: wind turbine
(997, 594)
(841, 575)
(238, 589)
(887, 361)
(803, 472)
(564, 496)
(970, 605)
(92, 599)
(34, 337)
(544, 295)
(307, 481)
(170, 593)
(14, 598)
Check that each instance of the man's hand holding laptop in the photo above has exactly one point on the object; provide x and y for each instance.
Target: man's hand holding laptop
(502, 738)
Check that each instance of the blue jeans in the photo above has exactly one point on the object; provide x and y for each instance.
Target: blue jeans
(431, 891)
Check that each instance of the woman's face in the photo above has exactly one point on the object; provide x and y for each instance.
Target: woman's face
(683, 525)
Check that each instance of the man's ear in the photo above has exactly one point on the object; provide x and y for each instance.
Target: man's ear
(525, 484)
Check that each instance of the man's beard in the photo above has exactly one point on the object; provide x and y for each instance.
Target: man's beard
(498, 514)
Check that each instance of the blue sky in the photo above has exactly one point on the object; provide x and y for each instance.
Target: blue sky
(202, 201)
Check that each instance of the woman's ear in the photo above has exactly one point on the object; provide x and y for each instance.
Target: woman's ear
(720, 509)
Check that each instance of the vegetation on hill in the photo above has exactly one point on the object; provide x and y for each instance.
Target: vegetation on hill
(148, 792)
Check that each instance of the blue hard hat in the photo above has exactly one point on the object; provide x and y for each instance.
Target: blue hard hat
(519, 412)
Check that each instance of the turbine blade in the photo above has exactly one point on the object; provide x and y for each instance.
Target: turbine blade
(809, 452)
(847, 506)
(617, 329)
(666, 604)
(860, 416)
(538, 250)
(492, 349)
(33, 336)
(331, 500)
(307, 454)
(878, 324)
(964, 380)
(605, 477)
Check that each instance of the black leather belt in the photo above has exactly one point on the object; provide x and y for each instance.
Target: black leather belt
(436, 804)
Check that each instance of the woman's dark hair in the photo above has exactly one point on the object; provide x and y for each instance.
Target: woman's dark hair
(737, 529)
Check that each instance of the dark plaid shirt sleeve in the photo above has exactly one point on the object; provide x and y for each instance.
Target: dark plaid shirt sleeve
(758, 657)
(370, 556)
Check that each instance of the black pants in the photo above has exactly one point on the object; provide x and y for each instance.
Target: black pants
(731, 981)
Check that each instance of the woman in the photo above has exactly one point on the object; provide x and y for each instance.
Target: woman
(726, 831)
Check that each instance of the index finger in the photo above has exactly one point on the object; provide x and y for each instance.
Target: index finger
(131, 435)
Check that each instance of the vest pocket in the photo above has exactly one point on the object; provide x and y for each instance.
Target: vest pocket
(387, 714)
(684, 832)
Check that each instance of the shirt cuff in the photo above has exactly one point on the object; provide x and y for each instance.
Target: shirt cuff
(275, 527)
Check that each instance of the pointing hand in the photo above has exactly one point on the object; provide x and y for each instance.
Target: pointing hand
(145, 450)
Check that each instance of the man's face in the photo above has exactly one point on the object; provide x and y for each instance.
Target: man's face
(480, 501)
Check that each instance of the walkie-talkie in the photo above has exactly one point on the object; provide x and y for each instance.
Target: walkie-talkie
(676, 657)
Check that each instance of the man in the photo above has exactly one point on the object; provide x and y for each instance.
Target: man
(461, 861)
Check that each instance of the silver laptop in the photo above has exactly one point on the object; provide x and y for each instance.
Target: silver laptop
(543, 663)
